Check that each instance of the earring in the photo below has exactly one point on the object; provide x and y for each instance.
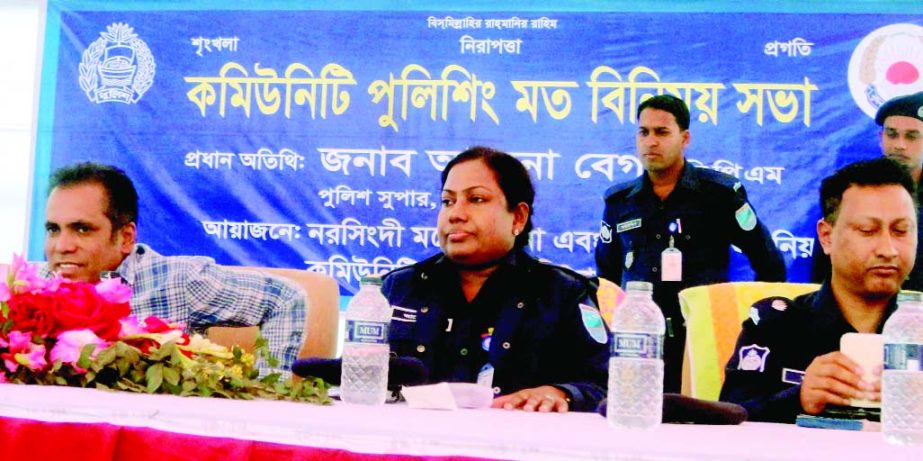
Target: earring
(516, 232)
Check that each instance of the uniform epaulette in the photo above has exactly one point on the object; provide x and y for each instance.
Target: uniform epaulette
(770, 309)
(621, 187)
(576, 276)
(717, 177)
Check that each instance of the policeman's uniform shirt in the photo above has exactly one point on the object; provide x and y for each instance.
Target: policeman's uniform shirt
(820, 262)
(532, 323)
(776, 345)
(706, 213)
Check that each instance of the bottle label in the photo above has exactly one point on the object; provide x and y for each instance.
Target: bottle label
(366, 332)
(637, 345)
(903, 356)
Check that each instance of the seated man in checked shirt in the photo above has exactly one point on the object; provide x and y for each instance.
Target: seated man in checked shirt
(90, 228)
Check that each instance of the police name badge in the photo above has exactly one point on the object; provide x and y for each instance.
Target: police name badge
(628, 225)
(746, 217)
(752, 358)
(486, 376)
(671, 264)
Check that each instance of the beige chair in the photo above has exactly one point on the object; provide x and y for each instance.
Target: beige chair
(322, 323)
(714, 314)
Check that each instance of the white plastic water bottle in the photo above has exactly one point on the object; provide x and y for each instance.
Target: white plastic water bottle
(364, 378)
(902, 377)
(635, 399)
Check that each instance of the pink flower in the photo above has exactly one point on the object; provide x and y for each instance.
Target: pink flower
(5, 292)
(114, 291)
(22, 352)
(33, 359)
(26, 277)
(130, 326)
(69, 344)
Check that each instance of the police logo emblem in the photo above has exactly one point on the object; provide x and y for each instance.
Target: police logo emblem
(752, 358)
(884, 65)
(605, 232)
(593, 323)
(117, 67)
(746, 217)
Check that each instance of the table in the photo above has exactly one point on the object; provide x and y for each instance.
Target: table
(252, 429)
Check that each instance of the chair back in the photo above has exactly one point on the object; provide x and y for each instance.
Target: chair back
(714, 314)
(321, 325)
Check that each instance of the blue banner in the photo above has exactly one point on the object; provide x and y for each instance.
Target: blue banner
(315, 139)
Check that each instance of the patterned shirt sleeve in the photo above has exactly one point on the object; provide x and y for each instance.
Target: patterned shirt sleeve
(204, 294)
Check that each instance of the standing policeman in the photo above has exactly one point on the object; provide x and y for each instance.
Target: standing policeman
(674, 225)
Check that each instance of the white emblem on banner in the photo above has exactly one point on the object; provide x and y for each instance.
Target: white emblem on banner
(886, 64)
(117, 67)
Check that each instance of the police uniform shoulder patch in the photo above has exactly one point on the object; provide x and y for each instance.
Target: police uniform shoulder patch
(746, 217)
(752, 358)
(605, 232)
(593, 322)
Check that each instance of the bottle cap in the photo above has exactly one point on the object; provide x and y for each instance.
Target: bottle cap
(639, 286)
(910, 296)
(371, 279)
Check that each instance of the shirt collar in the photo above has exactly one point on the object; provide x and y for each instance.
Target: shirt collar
(829, 315)
(688, 179)
(513, 258)
(128, 267)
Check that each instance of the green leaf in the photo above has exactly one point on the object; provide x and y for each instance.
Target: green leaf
(105, 357)
(171, 376)
(85, 353)
(154, 377)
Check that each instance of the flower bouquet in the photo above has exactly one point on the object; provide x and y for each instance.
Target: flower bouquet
(58, 332)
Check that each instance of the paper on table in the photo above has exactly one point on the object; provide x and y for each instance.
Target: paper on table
(448, 396)
(867, 350)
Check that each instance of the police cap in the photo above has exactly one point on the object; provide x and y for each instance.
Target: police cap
(910, 105)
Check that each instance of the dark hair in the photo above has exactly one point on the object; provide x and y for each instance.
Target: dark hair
(668, 103)
(881, 171)
(512, 177)
(122, 206)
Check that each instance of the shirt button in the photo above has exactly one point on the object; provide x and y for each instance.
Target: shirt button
(520, 305)
(496, 390)
(653, 269)
(424, 276)
(421, 348)
(463, 352)
(688, 236)
(506, 345)
(658, 236)
(424, 309)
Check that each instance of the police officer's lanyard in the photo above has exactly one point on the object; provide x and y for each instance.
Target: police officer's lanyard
(671, 260)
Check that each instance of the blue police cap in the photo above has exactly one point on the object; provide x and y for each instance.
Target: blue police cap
(910, 105)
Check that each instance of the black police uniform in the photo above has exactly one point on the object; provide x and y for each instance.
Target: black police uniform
(706, 213)
(775, 347)
(820, 262)
(534, 323)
